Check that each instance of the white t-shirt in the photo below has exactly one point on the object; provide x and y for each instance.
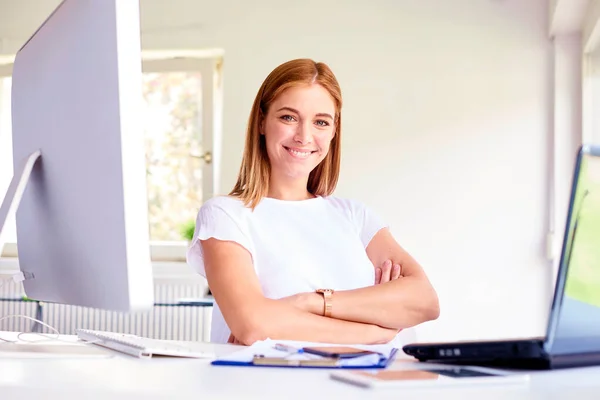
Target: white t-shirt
(296, 246)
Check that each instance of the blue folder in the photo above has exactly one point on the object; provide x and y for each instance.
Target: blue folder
(264, 354)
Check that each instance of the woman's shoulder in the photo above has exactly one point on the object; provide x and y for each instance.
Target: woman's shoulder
(366, 221)
(229, 204)
(345, 203)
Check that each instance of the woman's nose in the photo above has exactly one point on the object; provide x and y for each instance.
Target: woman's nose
(303, 134)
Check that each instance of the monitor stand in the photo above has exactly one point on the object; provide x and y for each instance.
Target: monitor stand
(16, 189)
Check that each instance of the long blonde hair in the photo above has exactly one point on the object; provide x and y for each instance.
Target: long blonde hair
(253, 179)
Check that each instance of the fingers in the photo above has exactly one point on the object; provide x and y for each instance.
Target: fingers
(395, 272)
(386, 271)
(233, 340)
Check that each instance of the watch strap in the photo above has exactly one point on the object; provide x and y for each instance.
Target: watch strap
(328, 299)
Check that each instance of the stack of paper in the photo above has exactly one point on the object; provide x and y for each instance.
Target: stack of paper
(266, 349)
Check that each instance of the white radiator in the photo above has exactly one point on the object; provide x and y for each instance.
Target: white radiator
(163, 322)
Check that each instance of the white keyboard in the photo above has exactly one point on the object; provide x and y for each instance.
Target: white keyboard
(142, 347)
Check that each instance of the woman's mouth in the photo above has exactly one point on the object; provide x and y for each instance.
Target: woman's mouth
(299, 153)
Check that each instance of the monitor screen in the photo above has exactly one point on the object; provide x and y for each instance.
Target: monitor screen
(577, 320)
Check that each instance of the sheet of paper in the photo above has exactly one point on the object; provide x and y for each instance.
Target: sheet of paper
(267, 348)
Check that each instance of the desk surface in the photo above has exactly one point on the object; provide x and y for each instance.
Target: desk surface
(122, 376)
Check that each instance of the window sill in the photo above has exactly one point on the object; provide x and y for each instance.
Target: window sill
(168, 261)
(159, 251)
(168, 251)
(163, 270)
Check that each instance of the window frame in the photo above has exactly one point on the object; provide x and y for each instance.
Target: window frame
(591, 96)
(209, 64)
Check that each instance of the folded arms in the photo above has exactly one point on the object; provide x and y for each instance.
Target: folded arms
(372, 314)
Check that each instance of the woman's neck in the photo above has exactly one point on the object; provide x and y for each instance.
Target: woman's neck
(289, 190)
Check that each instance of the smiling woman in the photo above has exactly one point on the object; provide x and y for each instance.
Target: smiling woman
(284, 258)
(300, 132)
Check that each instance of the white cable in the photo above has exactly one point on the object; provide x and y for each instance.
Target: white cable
(31, 319)
(17, 278)
(20, 339)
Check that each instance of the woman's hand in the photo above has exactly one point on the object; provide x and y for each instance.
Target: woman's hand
(233, 340)
(385, 335)
(387, 272)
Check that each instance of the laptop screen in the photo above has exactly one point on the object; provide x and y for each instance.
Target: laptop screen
(576, 318)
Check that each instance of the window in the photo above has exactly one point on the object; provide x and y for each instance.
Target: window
(172, 129)
(180, 122)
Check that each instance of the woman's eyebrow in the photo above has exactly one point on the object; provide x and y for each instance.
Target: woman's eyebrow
(324, 115)
(297, 112)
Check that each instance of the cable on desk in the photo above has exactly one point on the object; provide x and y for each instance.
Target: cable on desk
(20, 339)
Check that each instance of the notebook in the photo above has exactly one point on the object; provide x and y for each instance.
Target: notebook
(440, 376)
(270, 353)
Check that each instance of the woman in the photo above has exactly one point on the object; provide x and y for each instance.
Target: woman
(283, 257)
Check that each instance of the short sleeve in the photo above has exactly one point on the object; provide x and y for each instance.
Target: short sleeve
(214, 221)
(367, 221)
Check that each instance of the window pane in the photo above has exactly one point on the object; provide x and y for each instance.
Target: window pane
(6, 163)
(172, 122)
(172, 128)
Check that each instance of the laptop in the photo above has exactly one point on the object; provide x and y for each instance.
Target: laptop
(572, 336)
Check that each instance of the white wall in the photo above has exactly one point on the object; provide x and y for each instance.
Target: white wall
(446, 131)
(568, 111)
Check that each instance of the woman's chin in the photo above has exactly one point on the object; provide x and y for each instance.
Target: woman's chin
(298, 173)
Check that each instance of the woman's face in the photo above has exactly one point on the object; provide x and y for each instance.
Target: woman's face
(298, 127)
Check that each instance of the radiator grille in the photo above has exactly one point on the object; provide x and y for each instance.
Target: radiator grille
(163, 322)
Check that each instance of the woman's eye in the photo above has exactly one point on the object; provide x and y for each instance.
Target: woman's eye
(288, 118)
(322, 122)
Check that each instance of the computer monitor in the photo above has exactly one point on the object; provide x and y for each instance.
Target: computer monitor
(79, 190)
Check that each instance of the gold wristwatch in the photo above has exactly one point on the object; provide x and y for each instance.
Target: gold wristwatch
(327, 296)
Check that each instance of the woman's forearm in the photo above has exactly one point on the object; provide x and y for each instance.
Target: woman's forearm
(401, 303)
(280, 320)
(397, 304)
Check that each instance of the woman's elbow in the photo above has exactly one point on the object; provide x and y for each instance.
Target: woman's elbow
(250, 337)
(249, 332)
(431, 306)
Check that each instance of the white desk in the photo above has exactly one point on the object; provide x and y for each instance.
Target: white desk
(125, 377)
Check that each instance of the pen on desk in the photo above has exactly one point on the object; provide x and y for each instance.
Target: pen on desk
(289, 349)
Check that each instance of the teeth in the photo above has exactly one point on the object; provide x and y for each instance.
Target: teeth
(299, 153)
